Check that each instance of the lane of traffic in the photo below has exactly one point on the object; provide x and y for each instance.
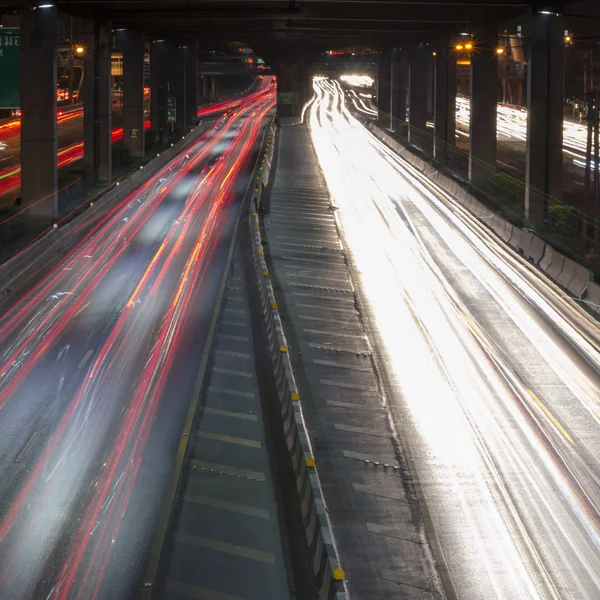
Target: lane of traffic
(493, 372)
(99, 362)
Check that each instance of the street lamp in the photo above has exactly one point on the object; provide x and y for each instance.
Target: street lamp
(79, 50)
(499, 50)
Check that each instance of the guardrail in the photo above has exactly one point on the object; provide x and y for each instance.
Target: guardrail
(571, 276)
(329, 577)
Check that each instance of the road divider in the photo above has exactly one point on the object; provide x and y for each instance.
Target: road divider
(328, 574)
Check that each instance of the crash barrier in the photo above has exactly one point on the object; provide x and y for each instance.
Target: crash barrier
(43, 251)
(328, 575)
(592, 297)
(570, 275)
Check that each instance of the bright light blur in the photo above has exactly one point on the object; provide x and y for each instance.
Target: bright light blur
(461, 400)
(357, 80)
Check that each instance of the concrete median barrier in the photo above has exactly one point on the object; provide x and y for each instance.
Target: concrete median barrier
(592, 297)
(515, 238)
(536, 250)
(525, 242)
(556, 264)
(580, 281)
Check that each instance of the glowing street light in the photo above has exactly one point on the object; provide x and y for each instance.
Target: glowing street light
(468, 46)
(499, 50)
(79, 49)
(459, 47)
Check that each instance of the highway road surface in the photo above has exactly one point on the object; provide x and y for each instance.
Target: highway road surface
(492, 373)
(98, 359)
(70, 144)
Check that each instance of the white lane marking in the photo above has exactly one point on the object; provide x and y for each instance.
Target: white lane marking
(323, 332)
(233, 372)
(362, 430)
(85, 358)
(28, 447)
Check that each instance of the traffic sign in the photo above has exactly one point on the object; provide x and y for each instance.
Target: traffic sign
(287, 98)
(171, 110)
(10, 68)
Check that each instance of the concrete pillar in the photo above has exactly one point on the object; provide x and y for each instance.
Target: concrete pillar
(39, 32)
(213, 87)
(484, 101)
(293, 77)
(192, 85)
(384, 85)
(444, 118)
(182, 56)
(132, 46)
(417, 123)
(159, 89)
(545, 98)
(97, 99)
(399, 81)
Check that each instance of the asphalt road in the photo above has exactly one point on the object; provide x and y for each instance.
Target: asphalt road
(493, 375)
(98, 360)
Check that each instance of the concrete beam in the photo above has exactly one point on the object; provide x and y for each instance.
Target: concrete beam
(192, 84)
(484, 99)
(39, 176)
(545, 99)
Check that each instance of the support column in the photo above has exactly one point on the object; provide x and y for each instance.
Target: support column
(398, 90)
(213, 87)
(293, 77)
(39, 32)
(544, 156)
(132, 45)
(384, 85)
(192, 85)
(484, 101)
(181, 58)
(444, 118)
(97, 100)
(158, 89)
(417, 123)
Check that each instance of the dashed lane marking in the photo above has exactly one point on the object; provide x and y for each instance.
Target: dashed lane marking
(218, 546)
(197, 592)
(230, 413)
(233, 372)
(336, 333)
(229, 439)
(86, 358)
(230, 506)
(236, 338)
(231, 392)
(362, 430)
(227, 470)
(348, 386)
(389, 494)
(28, 447)
(337, 365)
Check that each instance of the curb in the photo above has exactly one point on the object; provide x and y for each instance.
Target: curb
(329, 576)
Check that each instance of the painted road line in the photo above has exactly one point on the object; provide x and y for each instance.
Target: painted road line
(405, 579)
(229, 470)
(236, 338)
(337, 333)
(336, 348)
(242, 509)
(232, 354)
(237, 311)
(235, 549)
(234, 323)
(552, 418)
(85, 358)
(367, 489)
(230, 413)
(197, 592)
(321, 307)
(229, 439)
(332, 363)
(372, 459)
(392, 532)
(28, 447)
(348, 386)
(374, 409)
(232, 372)
(319, 261)
(333, 321)
(362, 430)
(230, 392)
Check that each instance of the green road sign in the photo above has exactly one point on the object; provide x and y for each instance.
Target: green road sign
(171, 110)
(287, 98)
(10, 68)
